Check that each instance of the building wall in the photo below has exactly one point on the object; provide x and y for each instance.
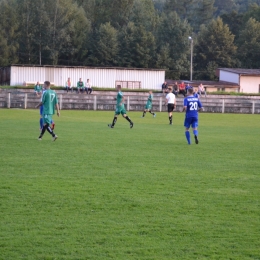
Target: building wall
(229, 77)
(250, 84)
(103, 77)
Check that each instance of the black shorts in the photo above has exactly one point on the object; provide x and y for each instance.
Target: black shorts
(170, 107)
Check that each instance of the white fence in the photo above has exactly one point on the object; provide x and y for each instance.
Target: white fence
(134, 102)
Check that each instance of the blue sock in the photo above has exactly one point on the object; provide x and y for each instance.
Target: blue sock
(187, 133)
(195, 132)
(41, 122)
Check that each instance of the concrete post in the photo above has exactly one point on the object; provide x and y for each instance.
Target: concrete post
(61, 102)
(128, 103)
(9, 100)
(95, 103)
(223, 106)
(160, 107)
(253, 107)
(25, 101)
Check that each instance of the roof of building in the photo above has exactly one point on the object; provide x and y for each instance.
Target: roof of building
(248, 72)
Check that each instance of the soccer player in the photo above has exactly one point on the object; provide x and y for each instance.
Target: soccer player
(120, 109)
(149, 104)
(171, 103)
(41, 115)
(49, 102)
(191, 105)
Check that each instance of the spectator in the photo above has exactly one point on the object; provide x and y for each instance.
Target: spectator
(188, 86)
(80, 86)
(202, 90)
(88, 87)
(175, 89)
(182, 89)
(38, 89)
(195, 93)
(68, 85)
(164, 87)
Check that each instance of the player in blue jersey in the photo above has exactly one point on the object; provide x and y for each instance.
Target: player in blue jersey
(191, 105)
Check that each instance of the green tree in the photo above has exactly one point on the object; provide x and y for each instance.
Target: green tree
(253, 12)
(225, 6)
(203, 13)
(105, 46)
(234, 20)
(182, 8)
(8, 33)
(116, 12)
(174, 33)
(144, 14)
(215, 46)
(52, 32)
(137, 48)
(249, 45)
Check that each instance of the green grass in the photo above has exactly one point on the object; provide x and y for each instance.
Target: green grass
(141, 193)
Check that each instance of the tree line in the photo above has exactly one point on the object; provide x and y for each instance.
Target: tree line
(132, 33)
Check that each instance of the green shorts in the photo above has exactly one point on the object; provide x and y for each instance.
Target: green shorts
(120, 110)
(47, 119)
(148, 107)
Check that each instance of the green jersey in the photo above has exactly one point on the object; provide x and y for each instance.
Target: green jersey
(149, 100)
(38, 88)
(49, 101)
(119, 99)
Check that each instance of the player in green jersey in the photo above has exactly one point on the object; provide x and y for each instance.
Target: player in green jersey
(149, 105)
(49, 102)
(120, 109)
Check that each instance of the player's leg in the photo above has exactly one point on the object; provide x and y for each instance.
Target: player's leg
(123, 112)
(89, 91)
(144, 112)
(170, 109)
(150, 111)
(41, 123)
(117, 112)
(41, 119)
(52, 125)
(195, 129)
(47, 121)
(187, 129)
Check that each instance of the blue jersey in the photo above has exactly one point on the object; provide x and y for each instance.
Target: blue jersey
(193, 104)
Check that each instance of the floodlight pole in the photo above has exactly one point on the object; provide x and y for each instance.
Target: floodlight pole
(191, 57)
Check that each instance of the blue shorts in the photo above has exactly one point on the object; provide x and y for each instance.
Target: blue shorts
(192, 121)
(41, 110)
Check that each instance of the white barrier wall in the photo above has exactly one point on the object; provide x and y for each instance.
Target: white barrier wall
(99, 77)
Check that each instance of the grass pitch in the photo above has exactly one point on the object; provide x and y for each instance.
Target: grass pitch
(141, 193)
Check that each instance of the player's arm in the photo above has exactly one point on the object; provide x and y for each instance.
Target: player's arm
(166, 101)
(185, 104)
(37, 106)
(58, 109)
